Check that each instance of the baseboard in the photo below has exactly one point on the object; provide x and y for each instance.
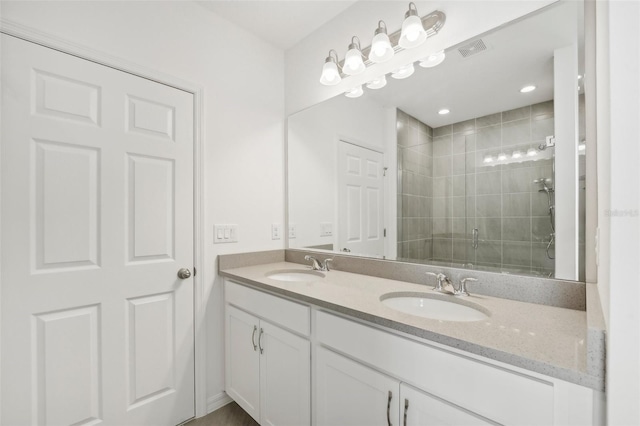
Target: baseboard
(217, 401)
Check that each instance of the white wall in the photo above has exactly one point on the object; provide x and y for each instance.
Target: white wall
(465, 19)
(243, 79)
(313, 136)
(618, 92)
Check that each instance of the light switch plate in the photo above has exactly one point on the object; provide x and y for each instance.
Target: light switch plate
(326, 229)
(225, 234)
(292, 230)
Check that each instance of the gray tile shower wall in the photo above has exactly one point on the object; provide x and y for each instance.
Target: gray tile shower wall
(466, 191)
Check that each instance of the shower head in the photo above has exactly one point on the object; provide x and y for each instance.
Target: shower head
(543, 182)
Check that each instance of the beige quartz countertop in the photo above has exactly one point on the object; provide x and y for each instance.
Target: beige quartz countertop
(540, 338)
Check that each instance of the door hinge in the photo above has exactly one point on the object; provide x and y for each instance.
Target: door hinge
(384, 171)
(384, 232)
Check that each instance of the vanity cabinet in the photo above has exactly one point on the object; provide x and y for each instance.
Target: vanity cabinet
(268, 368)
(349, 393)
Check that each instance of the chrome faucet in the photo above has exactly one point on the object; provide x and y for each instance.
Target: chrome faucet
(441, 281)
(316, 265)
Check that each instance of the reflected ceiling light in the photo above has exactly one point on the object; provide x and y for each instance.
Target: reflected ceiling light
(330, 73)
(432, 60)
(353, 63)
(488, 159)
(502, 156)
(444, 111)
(532, 152)
(516, 154)
(527, 89)
(403, 72)
(413, 33)
(381, 49)
(378, 83)
(356, 92)
(582, 146)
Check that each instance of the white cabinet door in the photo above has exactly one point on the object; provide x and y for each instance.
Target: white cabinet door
(285, 377)
(243, 360)
(348, 393)
(421, 409)
(97, 219)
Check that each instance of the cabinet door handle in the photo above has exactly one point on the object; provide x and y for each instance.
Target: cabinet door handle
(253, 337)
(406, 408)
(389, 409)
(260, 340)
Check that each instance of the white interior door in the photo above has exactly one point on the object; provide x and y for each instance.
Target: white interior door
(360, 200)
(96, 219)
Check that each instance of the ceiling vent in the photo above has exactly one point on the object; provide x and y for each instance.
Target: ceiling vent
(472, 48)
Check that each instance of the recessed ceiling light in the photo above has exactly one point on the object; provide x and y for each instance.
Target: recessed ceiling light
(527, 89)
(443, 111)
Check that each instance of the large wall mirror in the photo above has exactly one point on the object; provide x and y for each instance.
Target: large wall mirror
(496, 184)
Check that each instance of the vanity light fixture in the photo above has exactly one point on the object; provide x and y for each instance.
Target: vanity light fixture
(444, 111)
(502, 156)
(488, 159)
(353, 63)
(356, 92)
(516, 154)
(381, 49)
(403, 72)
(330, 73)
(378, 83)
(413, 33)
(527, 89)
(432, 60)
(532, 152)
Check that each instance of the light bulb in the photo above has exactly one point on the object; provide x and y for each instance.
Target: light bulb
(527, 89)
(516, 154)
(330, 74)
(488, 159)
(502, 156)
(403, 72)
(531, 152)
(381, 49)
(432, 60)
(378, 83)
(413, 33)
(355, 92)
(444, 111)
(353, 63)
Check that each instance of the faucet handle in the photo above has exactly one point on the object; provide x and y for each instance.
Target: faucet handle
(440, 278)
(462, 291)
(315, 265)
(325, 263)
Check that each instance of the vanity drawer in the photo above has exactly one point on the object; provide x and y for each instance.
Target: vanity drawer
(285, 313)
(493, 392)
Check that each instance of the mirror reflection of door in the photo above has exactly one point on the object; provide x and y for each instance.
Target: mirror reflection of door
(360, 200)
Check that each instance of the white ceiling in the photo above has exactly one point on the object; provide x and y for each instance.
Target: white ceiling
(283, 23)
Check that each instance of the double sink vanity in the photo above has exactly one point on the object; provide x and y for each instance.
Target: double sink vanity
(371, 342)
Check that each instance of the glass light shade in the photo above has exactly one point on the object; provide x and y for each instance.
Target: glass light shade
(531, 152)
(403, 72)
(353, 63)
(517, 154)
(432, 60)
(381, 49)
(330, 74)
(413, 33)
(356, 92)
(378, 83)
(488, 159)
(502, 156)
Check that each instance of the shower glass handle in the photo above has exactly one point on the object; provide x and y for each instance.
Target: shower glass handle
(474, 243)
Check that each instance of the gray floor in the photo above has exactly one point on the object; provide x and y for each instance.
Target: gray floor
(229, 415)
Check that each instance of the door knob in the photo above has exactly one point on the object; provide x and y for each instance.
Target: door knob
(184, 273)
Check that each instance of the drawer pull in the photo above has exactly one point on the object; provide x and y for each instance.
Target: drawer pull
(389, 408)
(406, 408)
(253, 337)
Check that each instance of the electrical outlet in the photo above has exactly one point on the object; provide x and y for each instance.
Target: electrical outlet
(225, 234)
(276, 231)
(292, 230)
(326, 229)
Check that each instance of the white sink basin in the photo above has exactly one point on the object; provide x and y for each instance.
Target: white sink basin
(295, 275)
(433, 307)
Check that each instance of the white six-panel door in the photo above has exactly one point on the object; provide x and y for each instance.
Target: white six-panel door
(97, 218)
(360, 200)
